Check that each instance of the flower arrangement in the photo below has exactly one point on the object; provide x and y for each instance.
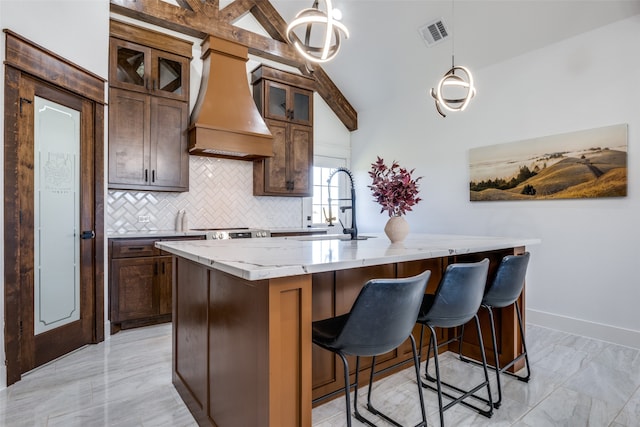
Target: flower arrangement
(393, 187)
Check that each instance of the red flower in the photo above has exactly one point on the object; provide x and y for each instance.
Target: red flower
(393, 188)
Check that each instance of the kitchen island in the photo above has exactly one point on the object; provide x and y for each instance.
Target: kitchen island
(242, 313)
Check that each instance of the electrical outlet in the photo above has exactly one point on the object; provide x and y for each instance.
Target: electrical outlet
(143, 218)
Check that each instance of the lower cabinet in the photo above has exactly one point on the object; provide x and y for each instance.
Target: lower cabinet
(140, 278)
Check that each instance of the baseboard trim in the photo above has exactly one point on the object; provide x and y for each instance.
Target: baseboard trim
(612, 334)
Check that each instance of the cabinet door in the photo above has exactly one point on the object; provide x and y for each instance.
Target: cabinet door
(301, 106)
(300, 160)
(129, 65)
(276, 104)
(169, 161)
(275, 168)
(133, 287)
(170, 75)
(128, 137)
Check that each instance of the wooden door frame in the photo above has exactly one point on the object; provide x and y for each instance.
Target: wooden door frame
(24, 56)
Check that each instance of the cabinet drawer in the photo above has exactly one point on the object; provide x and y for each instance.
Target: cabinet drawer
(134, 248)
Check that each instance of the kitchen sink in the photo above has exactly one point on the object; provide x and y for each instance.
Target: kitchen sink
(328, 237)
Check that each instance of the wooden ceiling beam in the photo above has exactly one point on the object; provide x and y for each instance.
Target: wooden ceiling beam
(192, 21)
(272, 22)
(208, 8)
(235, 10)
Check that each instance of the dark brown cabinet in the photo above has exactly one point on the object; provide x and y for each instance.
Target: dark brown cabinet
(285, 100)
(140, 280)
(147, 142)
(148, 110)
(147, 70)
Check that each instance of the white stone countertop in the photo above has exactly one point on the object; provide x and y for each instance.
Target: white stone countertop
(172, 233)
(257, 259)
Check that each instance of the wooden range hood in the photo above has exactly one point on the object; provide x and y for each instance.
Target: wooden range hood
(225, 121)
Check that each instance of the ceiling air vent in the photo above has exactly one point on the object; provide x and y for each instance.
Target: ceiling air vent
(433, 32)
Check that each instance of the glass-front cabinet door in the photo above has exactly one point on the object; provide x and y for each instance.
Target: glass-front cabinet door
(132, 66)
(276, 104)
(289, 103)
(148, 70)
(169, 76)
(301, 106)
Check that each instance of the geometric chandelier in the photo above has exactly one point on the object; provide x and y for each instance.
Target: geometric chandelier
(331, 39)
(454, 91)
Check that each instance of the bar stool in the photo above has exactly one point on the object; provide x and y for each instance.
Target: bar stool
(504, 290)
(455, 302)
(381, 318)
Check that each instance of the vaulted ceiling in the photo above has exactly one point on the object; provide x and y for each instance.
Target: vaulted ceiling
(385, 50)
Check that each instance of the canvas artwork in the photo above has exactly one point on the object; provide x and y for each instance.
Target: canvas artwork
(584, 164)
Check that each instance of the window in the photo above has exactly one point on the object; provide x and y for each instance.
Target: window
(321, 190)
(323, 166)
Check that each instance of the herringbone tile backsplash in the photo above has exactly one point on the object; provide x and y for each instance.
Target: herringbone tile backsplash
(220, 195)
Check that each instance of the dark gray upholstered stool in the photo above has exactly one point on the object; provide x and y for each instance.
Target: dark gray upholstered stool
(504, 290)
(455, 302)
(382, 318)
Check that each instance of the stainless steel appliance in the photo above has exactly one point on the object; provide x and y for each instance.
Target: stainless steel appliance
(233, 233)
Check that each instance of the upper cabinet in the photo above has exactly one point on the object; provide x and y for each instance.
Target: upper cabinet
(143, 69)
(148, 110)
(285, 100)
(288, 103)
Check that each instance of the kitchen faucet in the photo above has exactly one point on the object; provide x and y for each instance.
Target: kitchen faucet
(353, 230)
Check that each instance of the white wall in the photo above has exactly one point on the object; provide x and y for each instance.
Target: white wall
(582, 277)
(76, 30)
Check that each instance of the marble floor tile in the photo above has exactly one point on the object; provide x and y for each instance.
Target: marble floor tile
(126, 382)
(565, 407)
(630, 415)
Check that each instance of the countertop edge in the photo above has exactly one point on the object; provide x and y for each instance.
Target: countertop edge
(379, 250)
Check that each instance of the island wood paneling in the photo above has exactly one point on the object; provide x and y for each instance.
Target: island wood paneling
(242, 349)
(238, 360)
(190, 350)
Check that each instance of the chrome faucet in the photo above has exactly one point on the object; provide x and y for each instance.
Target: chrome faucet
(353, 230)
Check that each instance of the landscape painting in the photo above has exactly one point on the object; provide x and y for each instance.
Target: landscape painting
(585, 164)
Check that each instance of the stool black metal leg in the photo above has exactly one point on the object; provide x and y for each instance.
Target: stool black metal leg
(432, 337)
(460, 341)
(484, 366)
(347, 386)
(359, 416)
(370, 406)
(463, 393)
(434, 340)
(524, 346)
(496, 360)
(416, 364)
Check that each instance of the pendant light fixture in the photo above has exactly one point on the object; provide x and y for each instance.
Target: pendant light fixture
(454, 91)
(333, 32)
